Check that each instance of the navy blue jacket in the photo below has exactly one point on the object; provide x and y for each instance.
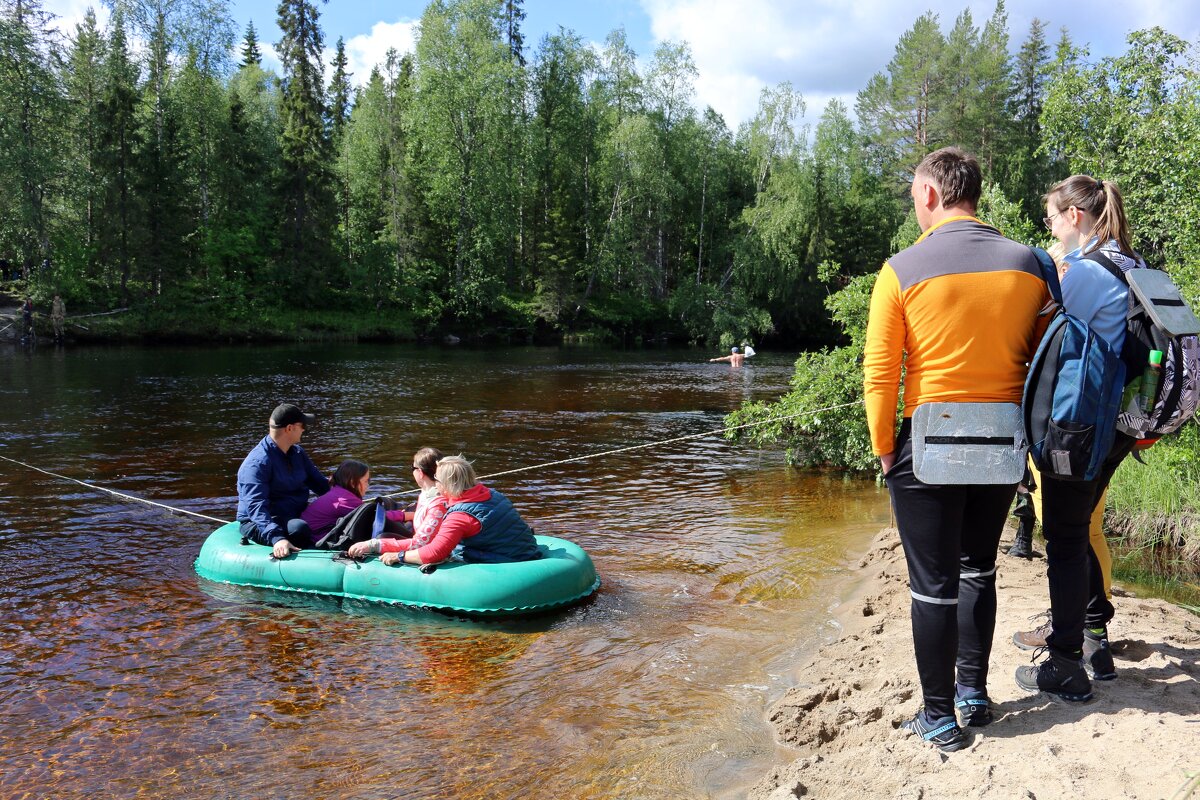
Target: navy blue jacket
(273, 485)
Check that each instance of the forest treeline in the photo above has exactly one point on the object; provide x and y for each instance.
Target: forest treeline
(508, 188)
(1034, 118)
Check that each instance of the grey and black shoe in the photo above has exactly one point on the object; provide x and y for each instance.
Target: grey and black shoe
(1058, 675)
(1097, 655)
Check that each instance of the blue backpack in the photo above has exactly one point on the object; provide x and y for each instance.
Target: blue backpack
(1072, 393)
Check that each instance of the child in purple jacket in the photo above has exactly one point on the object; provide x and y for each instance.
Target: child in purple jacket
(349, 483)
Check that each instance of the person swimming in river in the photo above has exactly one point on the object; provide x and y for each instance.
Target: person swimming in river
(426, 518)
(735, 358)
(348, 487)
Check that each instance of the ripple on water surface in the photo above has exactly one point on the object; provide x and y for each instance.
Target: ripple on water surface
(124, 674)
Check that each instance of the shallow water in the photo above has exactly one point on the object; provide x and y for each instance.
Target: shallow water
(123, 673)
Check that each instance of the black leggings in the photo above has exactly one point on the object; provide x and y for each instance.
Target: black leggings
(950, 535)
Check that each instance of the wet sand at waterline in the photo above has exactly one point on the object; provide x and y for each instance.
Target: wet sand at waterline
(1139, 737)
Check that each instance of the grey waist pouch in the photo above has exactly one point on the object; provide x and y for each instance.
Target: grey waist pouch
(968, 443)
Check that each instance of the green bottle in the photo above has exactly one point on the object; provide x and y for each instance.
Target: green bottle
(1149, 389)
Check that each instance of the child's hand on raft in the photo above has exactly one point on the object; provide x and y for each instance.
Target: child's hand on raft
(392, 559)
(360, 549)
(283, 548)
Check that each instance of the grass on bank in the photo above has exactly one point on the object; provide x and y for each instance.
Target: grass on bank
(1153, 519)
(214, 320)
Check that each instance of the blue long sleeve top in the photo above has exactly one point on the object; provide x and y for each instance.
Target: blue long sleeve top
(273, 485)
(1091, 293)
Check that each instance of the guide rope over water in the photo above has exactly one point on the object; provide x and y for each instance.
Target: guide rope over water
(701, 435)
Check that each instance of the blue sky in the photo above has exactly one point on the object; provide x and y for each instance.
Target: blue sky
(826, 48)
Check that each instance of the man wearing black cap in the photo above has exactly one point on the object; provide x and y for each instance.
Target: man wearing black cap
(273, 485)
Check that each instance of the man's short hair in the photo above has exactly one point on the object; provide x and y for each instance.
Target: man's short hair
(956, 173)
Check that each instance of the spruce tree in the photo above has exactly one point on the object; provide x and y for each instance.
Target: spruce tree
(514, 15)
(1029, 167)
(119, 141)
(306, 187)
(251, 54)
(31, 115)
(991, 69)
(339, 94)
(85, 87)
(339, 114)
(159, 164)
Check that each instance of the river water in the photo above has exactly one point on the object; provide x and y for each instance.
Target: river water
(124, 674)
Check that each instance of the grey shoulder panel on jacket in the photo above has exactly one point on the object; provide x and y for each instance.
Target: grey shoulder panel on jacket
(961, 247)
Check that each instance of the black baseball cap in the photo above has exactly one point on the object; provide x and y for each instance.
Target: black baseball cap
(287, 414)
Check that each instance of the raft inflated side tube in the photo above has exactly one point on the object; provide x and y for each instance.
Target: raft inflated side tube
(565, 574)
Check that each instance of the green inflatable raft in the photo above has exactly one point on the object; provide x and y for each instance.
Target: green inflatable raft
(562, 576)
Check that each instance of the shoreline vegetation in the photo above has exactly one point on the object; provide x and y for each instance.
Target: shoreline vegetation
(843, 719)
(545, 190)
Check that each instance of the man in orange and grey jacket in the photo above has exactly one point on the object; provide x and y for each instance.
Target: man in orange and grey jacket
(960, 311)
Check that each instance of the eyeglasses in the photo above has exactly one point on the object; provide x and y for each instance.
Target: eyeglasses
(1049, 221)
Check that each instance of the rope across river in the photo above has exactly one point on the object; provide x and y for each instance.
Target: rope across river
(659, 443)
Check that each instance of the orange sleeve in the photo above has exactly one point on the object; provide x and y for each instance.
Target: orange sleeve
(883, 356)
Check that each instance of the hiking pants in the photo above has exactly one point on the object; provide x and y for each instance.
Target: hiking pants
(1076, 582)
(950, 535)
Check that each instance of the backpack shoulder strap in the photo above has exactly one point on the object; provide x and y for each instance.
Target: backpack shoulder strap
(1100, 258)
(1049, 273)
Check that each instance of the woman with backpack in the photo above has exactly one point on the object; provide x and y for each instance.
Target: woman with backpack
(1087, 216)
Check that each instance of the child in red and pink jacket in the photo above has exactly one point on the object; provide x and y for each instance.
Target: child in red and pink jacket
(426, 518)
(348, 485)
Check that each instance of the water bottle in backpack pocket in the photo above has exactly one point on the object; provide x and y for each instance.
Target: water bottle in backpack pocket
(1158, 320)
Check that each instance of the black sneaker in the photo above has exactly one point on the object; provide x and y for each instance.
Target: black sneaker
(974, 708)
(944, 733)
(1056, 675)
(1097, 656)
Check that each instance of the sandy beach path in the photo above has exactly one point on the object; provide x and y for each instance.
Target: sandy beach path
(1138, 738)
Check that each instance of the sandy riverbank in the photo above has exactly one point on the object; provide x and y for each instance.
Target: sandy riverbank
(1138, 738)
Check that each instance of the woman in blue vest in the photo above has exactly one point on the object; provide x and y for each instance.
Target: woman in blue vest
(480, 519)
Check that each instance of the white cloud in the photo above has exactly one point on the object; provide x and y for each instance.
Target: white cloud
(824, 49)
(368, 50)
(70, 13)
(270, 56)
(832, 47)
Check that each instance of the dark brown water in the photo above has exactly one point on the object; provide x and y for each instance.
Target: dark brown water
(123, 674)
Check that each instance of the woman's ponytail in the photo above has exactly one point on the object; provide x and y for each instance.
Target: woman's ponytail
(1111, 222)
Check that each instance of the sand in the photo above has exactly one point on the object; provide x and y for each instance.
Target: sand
(1139, 737)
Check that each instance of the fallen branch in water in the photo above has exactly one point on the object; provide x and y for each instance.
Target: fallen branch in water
(98, 314)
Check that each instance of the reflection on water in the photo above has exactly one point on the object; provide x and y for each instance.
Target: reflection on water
(123, 673)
